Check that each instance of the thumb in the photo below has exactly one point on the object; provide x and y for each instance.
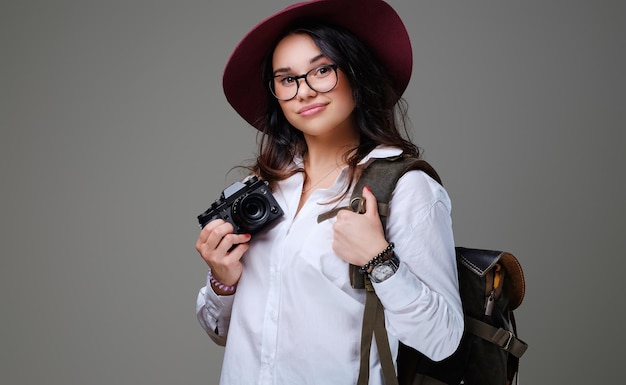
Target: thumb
(371, 204)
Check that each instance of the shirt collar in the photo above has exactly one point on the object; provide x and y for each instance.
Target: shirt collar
(381, 151)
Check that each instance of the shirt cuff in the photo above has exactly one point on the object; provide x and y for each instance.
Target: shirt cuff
(393, 291)
(214, 310)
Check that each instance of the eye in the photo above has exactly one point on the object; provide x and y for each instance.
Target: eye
(323, 71)
(286, 80)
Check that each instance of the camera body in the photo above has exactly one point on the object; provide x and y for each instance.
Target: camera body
(248, 206)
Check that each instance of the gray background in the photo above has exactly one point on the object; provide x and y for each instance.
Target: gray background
(115, 134)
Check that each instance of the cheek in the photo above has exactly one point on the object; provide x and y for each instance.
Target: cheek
(345, 94)
(347, 101)
(345, 88)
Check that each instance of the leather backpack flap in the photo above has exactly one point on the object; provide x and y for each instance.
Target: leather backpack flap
(482, 262)
(515, 279)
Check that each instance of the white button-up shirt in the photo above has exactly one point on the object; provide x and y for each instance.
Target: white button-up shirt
(295, 319)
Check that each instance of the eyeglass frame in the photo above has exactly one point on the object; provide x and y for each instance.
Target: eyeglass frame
(296, 78)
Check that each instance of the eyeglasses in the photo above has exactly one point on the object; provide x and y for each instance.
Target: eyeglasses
(320, 79)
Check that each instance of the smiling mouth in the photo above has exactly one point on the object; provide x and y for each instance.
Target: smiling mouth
(312, 109)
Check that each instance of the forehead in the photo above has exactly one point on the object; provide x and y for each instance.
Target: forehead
(296, 51)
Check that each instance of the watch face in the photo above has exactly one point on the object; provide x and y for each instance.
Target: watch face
(382, 272)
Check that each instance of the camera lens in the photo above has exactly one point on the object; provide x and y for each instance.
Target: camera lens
(253, 208)
(250, 212)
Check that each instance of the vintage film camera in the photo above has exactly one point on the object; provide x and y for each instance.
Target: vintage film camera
(249, 206)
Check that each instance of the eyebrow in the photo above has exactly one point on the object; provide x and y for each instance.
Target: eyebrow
(287, 69)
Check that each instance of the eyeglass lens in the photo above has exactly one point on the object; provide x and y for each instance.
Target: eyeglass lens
(319, 79)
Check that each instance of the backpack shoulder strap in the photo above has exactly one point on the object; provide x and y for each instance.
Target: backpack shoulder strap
(381, 177)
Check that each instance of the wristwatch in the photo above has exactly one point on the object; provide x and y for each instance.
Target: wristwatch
(385, 269)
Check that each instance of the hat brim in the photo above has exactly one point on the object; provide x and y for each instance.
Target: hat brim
(374, 22)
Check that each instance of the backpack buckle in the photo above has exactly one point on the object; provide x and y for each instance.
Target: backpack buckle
(508, 342)
(499, 338)
(357, 204)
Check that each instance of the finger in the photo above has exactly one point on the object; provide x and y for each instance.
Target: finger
(212, 234)
(231, 241)
(217, 235)
(208, 229)
(237, 252)
(371, 204)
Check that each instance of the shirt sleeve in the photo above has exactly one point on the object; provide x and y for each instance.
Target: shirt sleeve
(422, 302)
(213, 312)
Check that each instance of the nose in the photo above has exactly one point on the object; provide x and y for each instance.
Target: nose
(304, 90)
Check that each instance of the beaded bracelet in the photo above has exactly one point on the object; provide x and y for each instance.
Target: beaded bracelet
(377, 259)
(219, 285)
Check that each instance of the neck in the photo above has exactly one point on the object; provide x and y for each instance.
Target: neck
(316, 161)
(322, 154)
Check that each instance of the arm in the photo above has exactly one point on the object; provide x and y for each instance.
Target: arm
(424, 291)
(222, 250)
(213, 312)
(421, 300)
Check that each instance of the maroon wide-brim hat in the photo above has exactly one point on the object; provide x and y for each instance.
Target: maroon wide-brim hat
(374, 22)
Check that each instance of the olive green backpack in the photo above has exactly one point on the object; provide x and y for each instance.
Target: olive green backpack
(491, 285)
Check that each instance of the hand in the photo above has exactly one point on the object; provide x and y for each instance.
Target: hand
(359, 237)
(215, 245)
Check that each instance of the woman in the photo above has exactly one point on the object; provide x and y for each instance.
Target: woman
(322, 81)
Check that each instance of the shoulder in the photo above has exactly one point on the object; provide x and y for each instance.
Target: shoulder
(417, 191)
(418, 205)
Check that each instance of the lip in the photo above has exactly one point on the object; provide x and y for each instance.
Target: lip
(311, 109)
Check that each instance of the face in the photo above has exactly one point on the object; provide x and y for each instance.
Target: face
(314, 113)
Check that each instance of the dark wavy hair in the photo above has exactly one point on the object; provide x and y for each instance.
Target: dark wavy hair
(380, 114)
